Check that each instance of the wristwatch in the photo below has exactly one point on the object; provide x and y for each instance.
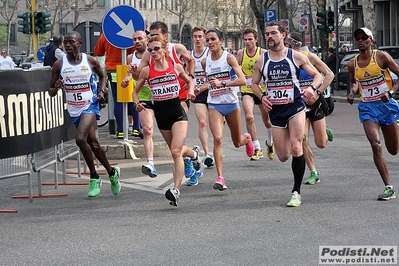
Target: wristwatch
(191, 75)
(313, 87)
(391, 93)
(224, 84)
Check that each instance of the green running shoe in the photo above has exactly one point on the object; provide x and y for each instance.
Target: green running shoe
(95, 187)
(295, 200)
(330, 133)
(115, 185)
(313, 178)
(388, 193)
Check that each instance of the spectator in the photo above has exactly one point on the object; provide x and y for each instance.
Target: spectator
(54, 50)
(5, 60)
(332, 64)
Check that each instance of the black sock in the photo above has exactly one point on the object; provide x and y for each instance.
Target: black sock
(94, 175)
(112, 172)
(298, 168)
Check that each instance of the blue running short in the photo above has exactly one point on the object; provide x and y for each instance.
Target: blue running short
(224, 109)
(93, 109)
(382, 113)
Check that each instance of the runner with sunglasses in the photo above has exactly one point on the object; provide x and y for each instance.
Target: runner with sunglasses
(369, 72)
(162, 77)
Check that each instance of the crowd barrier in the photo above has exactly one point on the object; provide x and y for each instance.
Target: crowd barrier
(32, 125)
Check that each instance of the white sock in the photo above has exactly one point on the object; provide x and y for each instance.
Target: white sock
(269, 136)
(256, 144)
(151, 161)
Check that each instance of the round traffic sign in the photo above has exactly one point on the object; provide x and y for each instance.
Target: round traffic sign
(303, 21)
(120, 23)
(284, 22)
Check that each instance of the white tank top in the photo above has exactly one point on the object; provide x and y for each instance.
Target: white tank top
(222, 71)
(80, 85)
(199, 72)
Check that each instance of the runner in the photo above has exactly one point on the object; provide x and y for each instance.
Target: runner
(246, 59)
(316, 113)
(279, 67)
(200, 103)
(369, 71)
(171, 118)
(75, 73)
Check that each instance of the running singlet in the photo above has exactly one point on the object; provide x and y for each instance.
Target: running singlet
(373, 79)
(145, 93)
(165, 87)
(281, 78)
(247, 66)
(80, 85)
(199, 72)
(222, 71)
(175, 59)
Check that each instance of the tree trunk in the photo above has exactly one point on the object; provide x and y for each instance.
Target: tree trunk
(369, 17)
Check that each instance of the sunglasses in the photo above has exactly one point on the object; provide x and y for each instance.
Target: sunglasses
(364, 37)
(156, 48)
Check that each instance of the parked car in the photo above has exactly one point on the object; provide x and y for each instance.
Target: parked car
(343, 76)
(28, 62)
(18, 59)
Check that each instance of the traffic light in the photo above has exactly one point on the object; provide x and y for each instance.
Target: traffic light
(330, 21)
(42, 22)
(25, 22)
(321, 20)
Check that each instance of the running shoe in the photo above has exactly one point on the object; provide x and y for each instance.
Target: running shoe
(149, 169)
(189, 170)
(197, 160)
(115, 185)
(270, 150)
(193, 181)
(119, 135)
(313, 178)
(249, 147)
(137, 133)
(295, 200)
(130, 129)
(388, 193)
(330, 133)
(173, 194)
(208, 161)
(220, 184)
(258, 154)
(95, 187)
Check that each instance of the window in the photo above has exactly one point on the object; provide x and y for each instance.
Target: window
(88, 2)
(175, 30)
(100, 3)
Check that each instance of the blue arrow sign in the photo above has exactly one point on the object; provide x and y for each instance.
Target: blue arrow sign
(40, 53)
(120, 23)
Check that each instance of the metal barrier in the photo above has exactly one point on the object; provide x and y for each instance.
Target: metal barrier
(16, 166)
(39, 161)
(68, 150)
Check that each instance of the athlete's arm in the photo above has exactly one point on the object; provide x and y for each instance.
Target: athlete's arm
(182, 51)
(353, 84)
(128, 75)
(240, 54)
(205, 85)
(95, 65)
(386, 61)
(55, 81)
(187, 79)
(139, 84)
(323, 68)
(145, 61)
(304, 63)
(241, 80)
(257, 77)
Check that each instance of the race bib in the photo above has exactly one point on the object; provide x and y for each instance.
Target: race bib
(373, 88)
(280, 91)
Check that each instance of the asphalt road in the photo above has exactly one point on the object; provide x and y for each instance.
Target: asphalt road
(248, 224)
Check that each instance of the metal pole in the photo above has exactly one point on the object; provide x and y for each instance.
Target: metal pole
(336, 16)
(291, 24)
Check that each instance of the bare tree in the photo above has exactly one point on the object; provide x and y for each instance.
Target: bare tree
(7, 12)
